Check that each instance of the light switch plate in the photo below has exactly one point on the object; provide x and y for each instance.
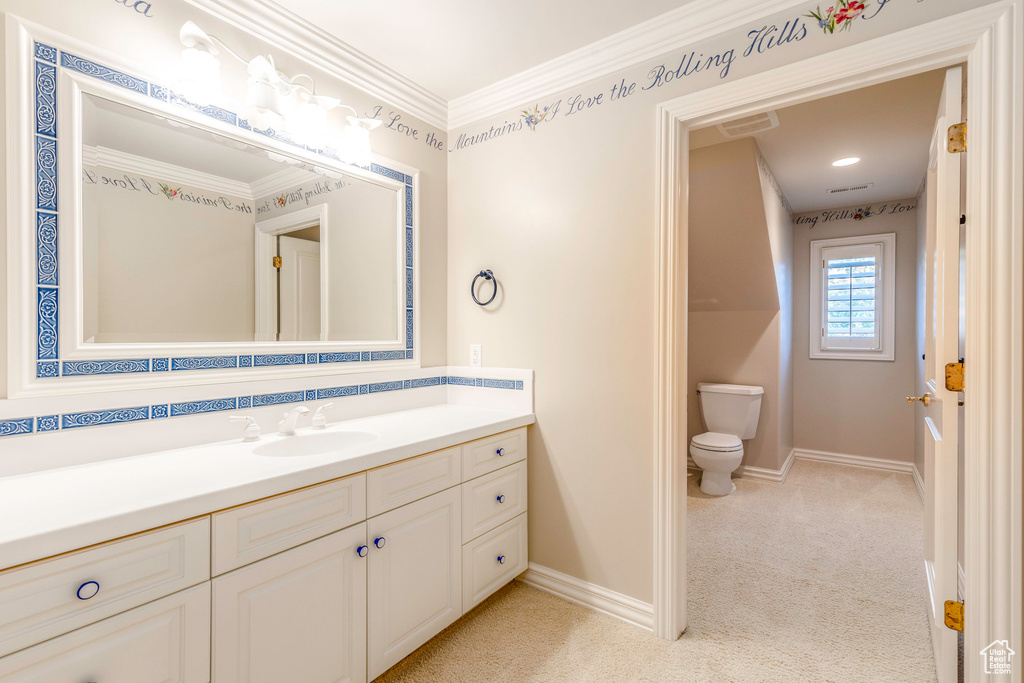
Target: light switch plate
(474, 356)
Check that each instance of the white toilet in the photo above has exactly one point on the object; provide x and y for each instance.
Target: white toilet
(730, 413)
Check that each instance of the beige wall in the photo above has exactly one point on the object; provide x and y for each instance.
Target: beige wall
(159, 270)
(151, 45)
(740, 254)
(362, 243)
(850, 406)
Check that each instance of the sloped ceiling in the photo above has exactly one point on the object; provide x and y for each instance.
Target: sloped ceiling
(730, 254)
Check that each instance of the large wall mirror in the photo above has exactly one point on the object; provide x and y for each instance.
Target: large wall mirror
(190, 236)
(166, 242)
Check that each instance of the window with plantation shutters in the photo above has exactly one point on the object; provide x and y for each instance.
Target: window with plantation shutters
(852, 297)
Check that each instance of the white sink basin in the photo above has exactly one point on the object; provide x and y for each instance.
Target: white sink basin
(314, 444)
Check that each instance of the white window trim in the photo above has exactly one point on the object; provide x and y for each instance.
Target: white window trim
(885, 280)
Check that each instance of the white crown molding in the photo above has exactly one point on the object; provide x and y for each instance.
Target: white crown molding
(169, 173)
(598, 598)
(282, 29)
(280, 180)
(662, 34)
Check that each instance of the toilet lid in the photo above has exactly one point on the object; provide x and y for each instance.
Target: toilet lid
(713, 441)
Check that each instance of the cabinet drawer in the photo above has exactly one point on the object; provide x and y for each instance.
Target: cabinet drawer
(486, 455)
(493, 499)
(252, 532)
(395, 485)
(45, 599)
(492, 560)
(167, 641)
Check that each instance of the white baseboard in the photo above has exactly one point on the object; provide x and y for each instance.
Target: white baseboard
(919, 481)
(590, 595)
(855, 460)
(779, 476)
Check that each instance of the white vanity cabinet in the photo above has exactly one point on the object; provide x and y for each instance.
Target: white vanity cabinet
(332, 583)
(415, 577)
(297, 616)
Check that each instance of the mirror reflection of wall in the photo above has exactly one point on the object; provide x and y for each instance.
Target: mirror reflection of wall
(170, 226)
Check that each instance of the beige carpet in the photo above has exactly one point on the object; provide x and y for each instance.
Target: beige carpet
(817, 579)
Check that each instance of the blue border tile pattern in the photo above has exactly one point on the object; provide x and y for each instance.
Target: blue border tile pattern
(387, 355)
(197, 407)
(280, 397)
(104, 73)
(46, 99)
(46, 249)
(78, 368)
(48, 423)
(20, 425)
(48, 60)
(335, 392)
(377, 387)
(104, 417)
(204, 363)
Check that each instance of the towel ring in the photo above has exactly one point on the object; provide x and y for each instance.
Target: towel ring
(487, 275)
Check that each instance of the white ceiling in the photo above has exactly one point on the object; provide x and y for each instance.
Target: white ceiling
(889, 126)
(454, 47)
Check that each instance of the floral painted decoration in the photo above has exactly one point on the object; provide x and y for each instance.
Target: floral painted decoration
(534, 117)
(860, 214)
(839, 16)
(282, 200)
(168, 192)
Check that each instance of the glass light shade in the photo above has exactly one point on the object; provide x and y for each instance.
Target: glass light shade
(263, 105)
(308, 121)
(355, 141)
(200, 76)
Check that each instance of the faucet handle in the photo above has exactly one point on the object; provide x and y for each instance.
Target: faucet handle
(319, 419)
(252, 427)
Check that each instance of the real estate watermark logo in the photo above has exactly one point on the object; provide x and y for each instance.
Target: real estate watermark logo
(998, 657)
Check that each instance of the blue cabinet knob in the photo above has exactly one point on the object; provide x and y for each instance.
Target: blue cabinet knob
(501, 498)
(362, 550)
(500, 452)
(379, 542)
(501, 559)
(87, 590)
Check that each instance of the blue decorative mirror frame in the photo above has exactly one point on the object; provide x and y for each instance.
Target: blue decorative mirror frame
(48, 63)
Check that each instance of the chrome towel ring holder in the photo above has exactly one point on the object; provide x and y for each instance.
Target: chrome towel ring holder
(486, 275)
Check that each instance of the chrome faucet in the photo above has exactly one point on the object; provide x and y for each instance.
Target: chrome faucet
(287, 425)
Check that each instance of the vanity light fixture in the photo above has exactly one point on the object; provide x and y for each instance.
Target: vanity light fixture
(847, 161)
(273, 99)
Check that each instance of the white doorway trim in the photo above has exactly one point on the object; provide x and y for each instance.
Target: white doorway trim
(266, 275)
(990, 40)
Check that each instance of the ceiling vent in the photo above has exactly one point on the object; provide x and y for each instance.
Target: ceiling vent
(849, 188)
(749, 125)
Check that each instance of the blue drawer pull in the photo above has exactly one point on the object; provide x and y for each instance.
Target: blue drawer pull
(379, 542)
(501, 498)
(87, 590)
(500, 452)
(362, 550)
(501, 559)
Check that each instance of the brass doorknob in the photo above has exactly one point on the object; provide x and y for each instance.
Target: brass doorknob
(926, 399)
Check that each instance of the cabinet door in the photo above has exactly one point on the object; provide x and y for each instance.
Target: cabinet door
(167, 641)
(296, 616)
(415, 582)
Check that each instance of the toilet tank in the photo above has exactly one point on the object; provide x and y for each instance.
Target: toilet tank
(730, 408)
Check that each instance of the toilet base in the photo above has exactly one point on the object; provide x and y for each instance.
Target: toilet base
(717, 483)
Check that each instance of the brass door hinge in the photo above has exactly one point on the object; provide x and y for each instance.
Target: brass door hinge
(277, 261)
(955, 615)
(955, 376)
(956, 140)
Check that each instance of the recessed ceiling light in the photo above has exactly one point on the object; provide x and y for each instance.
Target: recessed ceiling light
(848, 161)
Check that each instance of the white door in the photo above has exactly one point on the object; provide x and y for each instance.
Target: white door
(299, 289)
(296, 616)
(942, 300)
(415, 582)
(166, 641)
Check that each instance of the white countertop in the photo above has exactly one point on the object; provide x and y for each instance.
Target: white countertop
(56, 511)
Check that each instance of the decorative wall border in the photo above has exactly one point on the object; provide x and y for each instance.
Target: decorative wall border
(48, 61)
(91, 418)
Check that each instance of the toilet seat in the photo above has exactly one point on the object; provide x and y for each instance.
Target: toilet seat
(719, 443)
